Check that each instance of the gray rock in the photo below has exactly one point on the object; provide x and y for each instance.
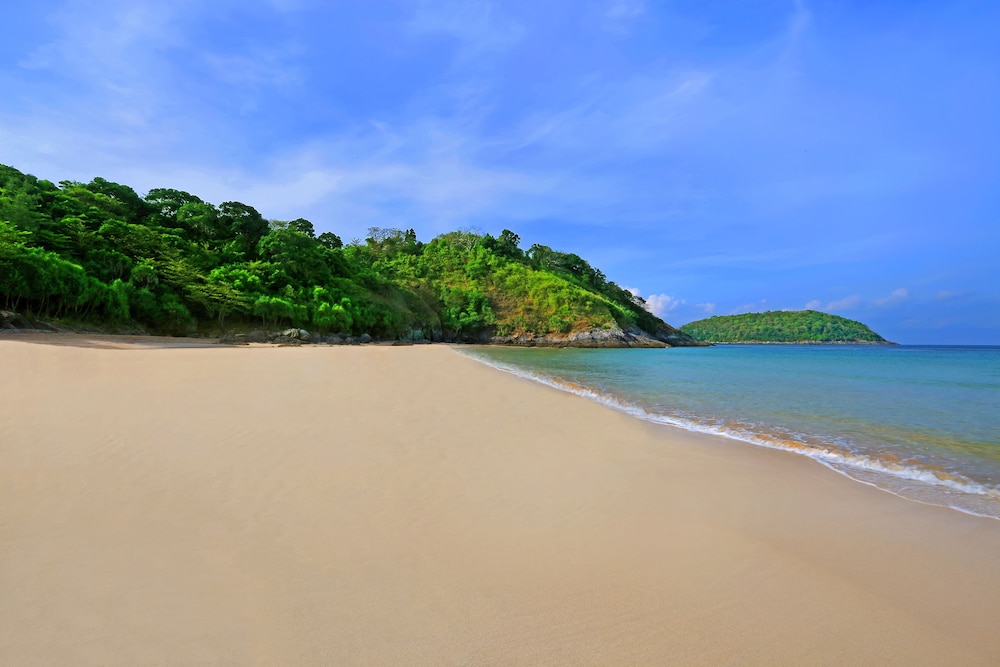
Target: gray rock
(365, 338)
(15, 322)
(298, 334)
(286, 340)
(413, 335)
(233, 339)
(12, 320)
(613, 337)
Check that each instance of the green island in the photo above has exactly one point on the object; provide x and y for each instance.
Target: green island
(86, 256)
(782, 326)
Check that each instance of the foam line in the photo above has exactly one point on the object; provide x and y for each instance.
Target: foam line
(835, 459)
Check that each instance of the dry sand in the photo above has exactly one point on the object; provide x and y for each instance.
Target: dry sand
(341, 506)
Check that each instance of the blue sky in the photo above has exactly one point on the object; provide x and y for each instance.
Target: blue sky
(718, 157)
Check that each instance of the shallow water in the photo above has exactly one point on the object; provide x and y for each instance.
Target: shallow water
(920, 421)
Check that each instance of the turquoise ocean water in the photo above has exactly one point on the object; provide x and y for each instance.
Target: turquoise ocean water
(919, 421)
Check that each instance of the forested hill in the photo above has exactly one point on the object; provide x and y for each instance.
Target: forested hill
(98, 254)
(779, 326)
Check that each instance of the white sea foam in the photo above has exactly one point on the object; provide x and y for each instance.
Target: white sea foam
(904, 480)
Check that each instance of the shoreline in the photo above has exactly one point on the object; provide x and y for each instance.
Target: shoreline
(270, 505)
(803, 342)
(851, 466)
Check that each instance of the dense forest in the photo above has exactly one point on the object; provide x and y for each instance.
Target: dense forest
(169, 262)
(781, 326)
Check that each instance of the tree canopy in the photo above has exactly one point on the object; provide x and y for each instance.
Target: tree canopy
(170, 262)
(780, 326)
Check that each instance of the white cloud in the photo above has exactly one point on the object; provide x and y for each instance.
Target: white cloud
(813, 305)
(708, 307)
(948, 295)
(634, 291)
(895, 297)
(847, 303)
(661, 304)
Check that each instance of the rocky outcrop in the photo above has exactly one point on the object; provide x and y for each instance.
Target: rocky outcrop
(12, 322)
(287, 341)
(300, 335)
(677, 338)
(233, 339)
(292, 337)
(613, 337)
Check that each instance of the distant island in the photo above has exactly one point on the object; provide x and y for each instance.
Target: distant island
(782, 326)
(98, 256)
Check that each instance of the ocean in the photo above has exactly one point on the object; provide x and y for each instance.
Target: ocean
(922, 422)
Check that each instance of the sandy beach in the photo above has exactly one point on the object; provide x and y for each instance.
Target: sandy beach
(408, 505)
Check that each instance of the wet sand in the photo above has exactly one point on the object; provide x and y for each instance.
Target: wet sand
(379, 505)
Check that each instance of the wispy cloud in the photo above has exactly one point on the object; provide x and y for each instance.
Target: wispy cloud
(559, 161)
(440, 191)
(621, 15)
(106, 63)
(274, 67)
(638, 115)
(847, 303)
(896, 296)
(798, 22)
(133, 87)
(855, 301)
(708, 307)
(480, 27)
(618, 9)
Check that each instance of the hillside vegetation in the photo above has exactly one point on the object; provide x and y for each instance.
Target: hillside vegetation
(780, 326)
(169, 262)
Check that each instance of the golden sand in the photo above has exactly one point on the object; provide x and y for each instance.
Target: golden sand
(344, 505)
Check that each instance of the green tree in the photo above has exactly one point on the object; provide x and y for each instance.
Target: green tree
(330, 241)
(244, 224)
(303, 226)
